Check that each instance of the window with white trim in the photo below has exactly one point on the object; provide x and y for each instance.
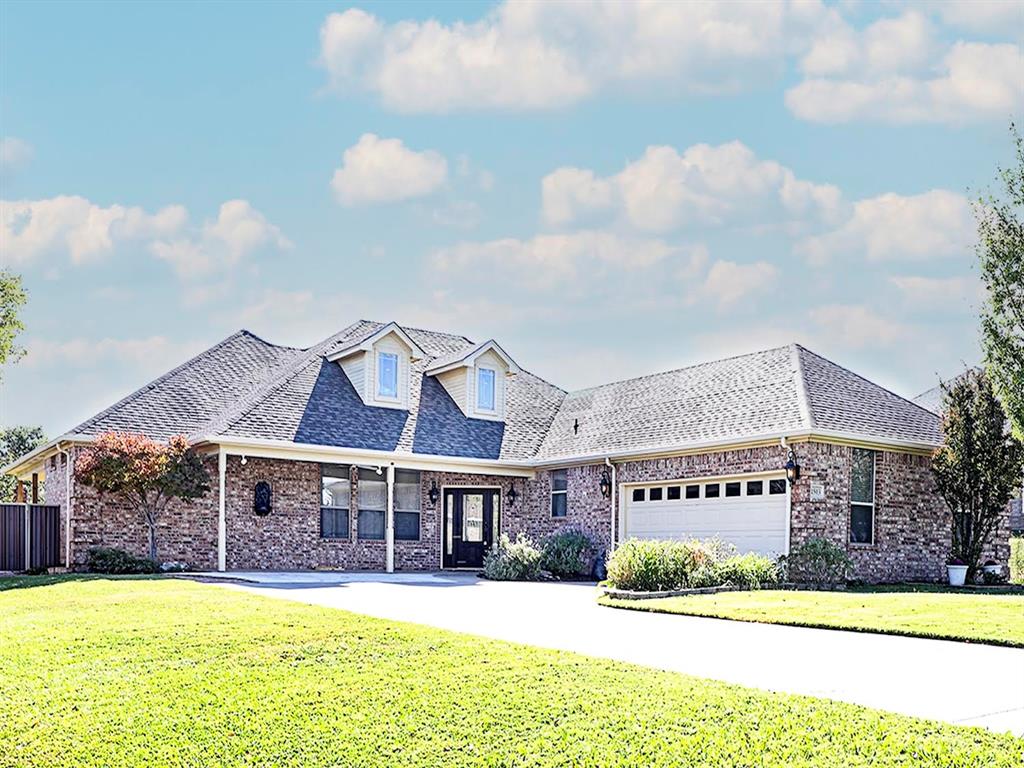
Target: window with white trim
(387, 375)
(485, 389)
(335, 501)
(862, 497)
(407, 505)
(373, 498)
(559, 492)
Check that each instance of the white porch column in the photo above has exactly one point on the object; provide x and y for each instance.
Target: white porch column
(222, 526)
(389, 523)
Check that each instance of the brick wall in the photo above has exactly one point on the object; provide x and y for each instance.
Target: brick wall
(911, 521)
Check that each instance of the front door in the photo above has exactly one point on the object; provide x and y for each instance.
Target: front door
(470, 525)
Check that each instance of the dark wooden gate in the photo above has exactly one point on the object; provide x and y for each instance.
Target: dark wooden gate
(41, 543)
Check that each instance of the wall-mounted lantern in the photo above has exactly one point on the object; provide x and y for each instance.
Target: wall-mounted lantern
(792, 468)
(512, 495)
(262, 499)
(433, 493)
(606, 484)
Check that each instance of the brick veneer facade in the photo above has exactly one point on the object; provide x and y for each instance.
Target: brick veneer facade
(911, 522)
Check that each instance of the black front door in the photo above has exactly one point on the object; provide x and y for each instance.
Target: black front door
(470, 516)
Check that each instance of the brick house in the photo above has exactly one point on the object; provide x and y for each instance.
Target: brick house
(391, 448)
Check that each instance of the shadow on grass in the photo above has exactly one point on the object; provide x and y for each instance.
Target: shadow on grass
(26, 582)
(1002, 589)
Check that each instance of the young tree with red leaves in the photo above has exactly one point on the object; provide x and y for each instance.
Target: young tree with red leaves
(145, 473)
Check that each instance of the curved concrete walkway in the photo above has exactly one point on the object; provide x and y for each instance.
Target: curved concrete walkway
(961, 683)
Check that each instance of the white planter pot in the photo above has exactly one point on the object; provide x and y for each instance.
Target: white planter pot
(957, 575)
(996, 570)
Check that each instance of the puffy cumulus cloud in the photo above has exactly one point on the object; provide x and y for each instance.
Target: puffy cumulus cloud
(74, 225)
(377, 170)
(895, 70)
(222, 243)
(935, 224)
(728, 282)
(1001, 17)
(15, 154)
(713, 185)
(529, 55)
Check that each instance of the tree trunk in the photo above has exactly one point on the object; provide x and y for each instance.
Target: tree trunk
(151, 533)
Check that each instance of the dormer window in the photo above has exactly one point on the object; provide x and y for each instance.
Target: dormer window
(387, 375)
(485, 378)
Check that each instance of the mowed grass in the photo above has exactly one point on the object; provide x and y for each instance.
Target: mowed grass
(995, 617)
(175, 673)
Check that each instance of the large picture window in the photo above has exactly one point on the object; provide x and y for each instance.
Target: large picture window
(335, 501)
(387, 375)
(407, 505)
(559, 491)
(373, 500)
(862, 497)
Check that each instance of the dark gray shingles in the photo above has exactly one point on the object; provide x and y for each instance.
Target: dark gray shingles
(842, 401)
(186, 397)
(727, 399)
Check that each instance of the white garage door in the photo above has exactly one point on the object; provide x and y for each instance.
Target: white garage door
(750, 513)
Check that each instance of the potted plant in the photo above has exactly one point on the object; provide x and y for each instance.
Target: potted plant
(993, 568)
(956, 569)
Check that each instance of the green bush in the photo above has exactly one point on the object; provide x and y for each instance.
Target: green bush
(750, 571)
(113, 560)
(1017, 560)
(818, 561)
(517, 560)
(645, 565)
(566, 554)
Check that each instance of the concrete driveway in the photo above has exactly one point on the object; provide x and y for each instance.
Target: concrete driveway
(956, 682)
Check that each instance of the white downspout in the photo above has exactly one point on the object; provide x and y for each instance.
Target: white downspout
(67, 505)
(789, 499)
(614, 494)
(389, 523)
(222, 525)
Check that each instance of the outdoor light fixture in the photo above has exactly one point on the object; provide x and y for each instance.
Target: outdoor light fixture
(606, 484)
(244, 460)
(792, 468)
(512, 495)
(379, 471)
(433, 493)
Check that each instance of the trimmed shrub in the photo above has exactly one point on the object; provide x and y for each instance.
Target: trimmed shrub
(566, 554)
(113, 560)
(750, 571)
(644, 565)
(1017, 560)
(517, 560)
(818, 561)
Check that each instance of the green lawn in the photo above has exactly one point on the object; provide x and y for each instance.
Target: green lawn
(173, 673)
(991, 617)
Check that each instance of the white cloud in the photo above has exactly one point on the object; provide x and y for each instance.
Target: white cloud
(728, 282)
(1002, 17)
(528, 55)
(856, 326)
(935, 224)
(146, 353)
(896, 71)
(376, 170)
(15, 154)
(238, 230)
(664, 190)
(938, 293)
(573, 265)
(73, 224)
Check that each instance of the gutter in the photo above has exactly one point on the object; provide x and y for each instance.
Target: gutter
(43, 452)
(614, 494)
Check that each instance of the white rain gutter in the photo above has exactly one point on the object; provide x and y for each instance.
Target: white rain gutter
(67, 504)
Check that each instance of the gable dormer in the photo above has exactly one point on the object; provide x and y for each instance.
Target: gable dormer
(477, 379)
(379, 366)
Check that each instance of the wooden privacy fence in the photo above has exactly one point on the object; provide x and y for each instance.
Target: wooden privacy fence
(29, 537)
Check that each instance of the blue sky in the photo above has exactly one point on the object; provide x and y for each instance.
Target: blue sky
(607, 189)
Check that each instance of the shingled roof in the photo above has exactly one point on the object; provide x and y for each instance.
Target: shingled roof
(247, 388)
